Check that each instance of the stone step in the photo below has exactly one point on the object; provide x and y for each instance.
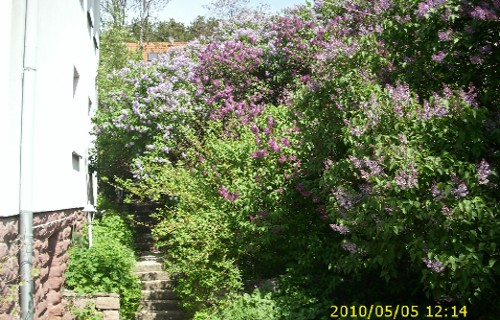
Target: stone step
(156, 285)
(153, 275)
(160, 305)
(147, 266)
(151, 256)
(143, 230)
(161, 315)
(158, 295)
(144, 247)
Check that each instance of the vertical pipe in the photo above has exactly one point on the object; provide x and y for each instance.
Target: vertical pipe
(26, 264)
(26, 154)
(89, 219)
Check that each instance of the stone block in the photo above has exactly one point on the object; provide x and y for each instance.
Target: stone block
(55, 283)
(62, 246)
(107, 303)
(44, 272)
(56, 310)
(54, 297)
(41, 259)
(57, 270)
(41, 308)
(4, 249)
(111, 315)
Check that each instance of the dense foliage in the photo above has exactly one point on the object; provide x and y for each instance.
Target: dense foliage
(351, 151)
(107, 266)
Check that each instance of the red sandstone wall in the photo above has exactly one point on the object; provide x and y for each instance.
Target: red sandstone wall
(50, 250)
(9, 266)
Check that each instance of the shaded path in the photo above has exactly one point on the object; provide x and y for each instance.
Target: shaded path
(159, 301)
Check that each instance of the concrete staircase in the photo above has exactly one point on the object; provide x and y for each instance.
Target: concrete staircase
(159, 301)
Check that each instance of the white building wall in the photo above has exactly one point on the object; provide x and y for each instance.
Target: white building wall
(11, 65)
(62, 115)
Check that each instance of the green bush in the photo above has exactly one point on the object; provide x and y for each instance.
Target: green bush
(255, 306)
(114, 225)
(107, 266)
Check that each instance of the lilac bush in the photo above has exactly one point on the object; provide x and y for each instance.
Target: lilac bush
(339, 147)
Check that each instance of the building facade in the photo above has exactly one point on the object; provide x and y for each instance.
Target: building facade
(47, 95)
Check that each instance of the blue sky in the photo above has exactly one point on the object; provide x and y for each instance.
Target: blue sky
(186, 11)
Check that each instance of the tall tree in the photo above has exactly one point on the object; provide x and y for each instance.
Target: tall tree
(115, 11)
(202, 27)
(146, 8)
(228, 9)
(171, 30)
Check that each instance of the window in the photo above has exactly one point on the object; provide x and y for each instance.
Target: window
(76, 79)
(76, 160)
(152, 56)
(89, 111)
(96, 44)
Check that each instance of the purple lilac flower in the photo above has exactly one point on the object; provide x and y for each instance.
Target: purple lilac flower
(447, 212)
(345, 199)
(438, 109)
(439, 57)
(270, 122)
(228, 195)
(400, 96)
(285, 142)
(485, 49)
(339, 228)
(437, 193)
(483, 172)
(382, 6)
(460, 190)
(426, 6)
(483, 12)
(375, 167)
(434, 264)
(476, 59)
(273, 145)
(366, 189)
(302, 190)
(407, 179)
(349, 246)
(254, 128)
(470, 96)
(259, 154)
(402, 139)
(445, 35)
(328, 163)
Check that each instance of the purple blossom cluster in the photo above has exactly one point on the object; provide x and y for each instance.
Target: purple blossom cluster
(367, 168)
(486, 12)
(437, 193)
(349, 246)
(460, 189)
(401, 98)
(427, 6)
(229, 196)
(483, 172)
(434, 109)
(340, 228)
(229, 78)
(434, 264)
(407, 178)
(153, 101)
(346, 200)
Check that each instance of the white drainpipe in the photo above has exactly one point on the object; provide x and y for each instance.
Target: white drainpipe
(26, 155)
